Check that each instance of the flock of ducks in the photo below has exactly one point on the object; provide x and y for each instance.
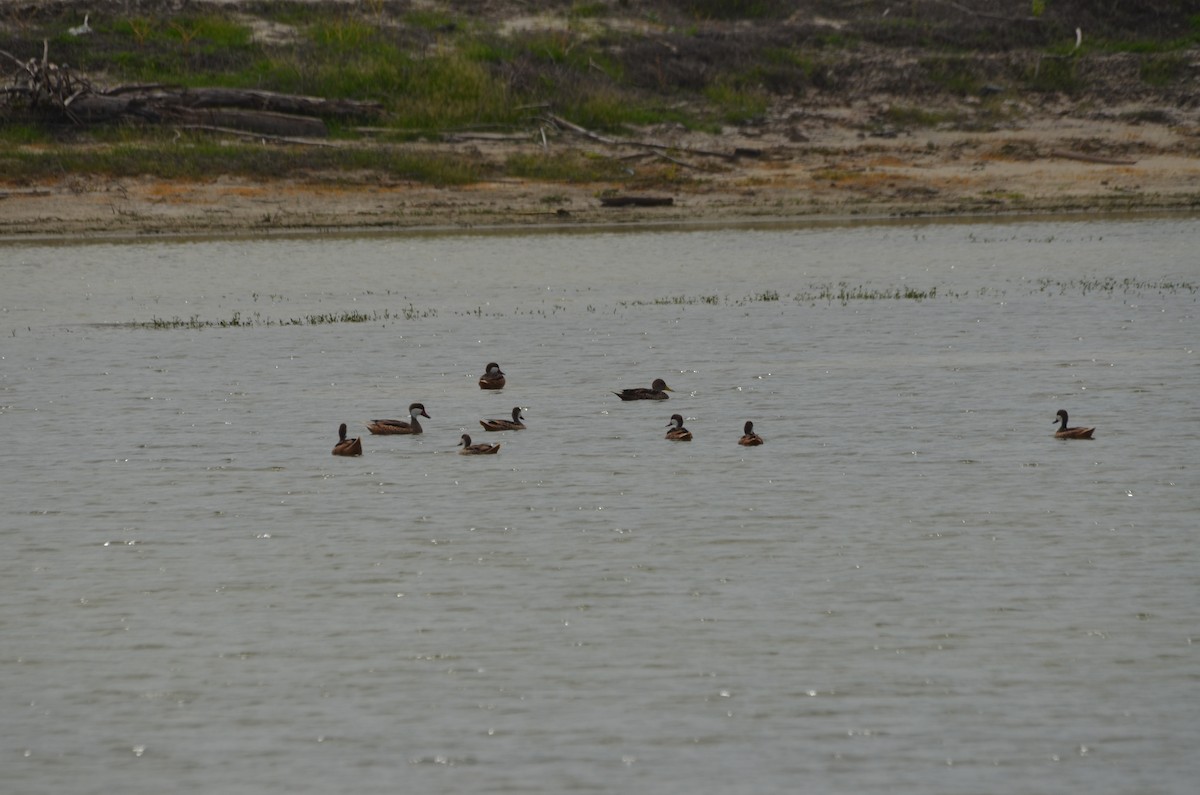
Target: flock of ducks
(493, 378)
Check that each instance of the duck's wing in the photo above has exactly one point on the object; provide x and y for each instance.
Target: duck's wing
(385, 427)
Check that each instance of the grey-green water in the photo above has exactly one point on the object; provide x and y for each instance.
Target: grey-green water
(911, 587)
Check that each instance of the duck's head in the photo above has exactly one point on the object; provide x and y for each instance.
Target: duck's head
(466, 441)
(418, 409)
(493, 369)
(676, 420)
(342, 431)
(517, 414)
(1061, 415)
(748, 428)
(660, 385)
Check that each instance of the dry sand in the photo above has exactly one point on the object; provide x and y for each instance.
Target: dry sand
(820, 165)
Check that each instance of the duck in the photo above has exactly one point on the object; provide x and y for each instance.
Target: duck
(514, 424)
(476, 449)
(1064, 432)
(388, 427)
(347, 446)
(493, 378)
(749, 437)
(678, 433)
(657, 391)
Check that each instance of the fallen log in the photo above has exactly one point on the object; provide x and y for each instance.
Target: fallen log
(255, 136)
(255, 99)
(636, 201)
(48, 89)
(280, 125)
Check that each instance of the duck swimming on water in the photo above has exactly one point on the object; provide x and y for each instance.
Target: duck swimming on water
(749, 437)
(493, 377)
(347, 446)
(476, 449)
(657, 391)
(514, 424)
(1064, 432)
(678, 433)
(390, 427)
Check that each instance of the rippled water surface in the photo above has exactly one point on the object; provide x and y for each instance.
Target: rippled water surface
(911, 587)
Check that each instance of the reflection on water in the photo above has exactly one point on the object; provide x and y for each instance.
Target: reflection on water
(911, 585)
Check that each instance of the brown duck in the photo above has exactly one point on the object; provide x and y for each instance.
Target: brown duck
(678, 433)
(657, 391)
(347, 446)
(1064, 432)
(492, 378)
(389, 427)
(514, 424)
(476, 449)
(749, 437)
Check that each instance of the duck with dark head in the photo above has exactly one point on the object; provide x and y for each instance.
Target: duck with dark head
(1064, 432)
(492, 378)
(476, 449)
(657, 391)
(347, 446)
(678, 433)
(749, 437)
(393, 427)
(514, 424)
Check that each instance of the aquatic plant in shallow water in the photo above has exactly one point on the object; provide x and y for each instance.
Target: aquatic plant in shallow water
(237, 320)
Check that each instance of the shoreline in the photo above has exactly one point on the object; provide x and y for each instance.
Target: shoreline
(834, 175)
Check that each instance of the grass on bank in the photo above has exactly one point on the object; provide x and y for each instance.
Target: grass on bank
(437, 70)
(197, 157)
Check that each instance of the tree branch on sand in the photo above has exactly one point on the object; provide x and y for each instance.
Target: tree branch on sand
(46, 89)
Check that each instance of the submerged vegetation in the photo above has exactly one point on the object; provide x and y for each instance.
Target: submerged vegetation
(447, 68)
(842, 293)
(257, 319)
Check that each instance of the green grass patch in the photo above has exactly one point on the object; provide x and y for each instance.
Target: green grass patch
(593, 10)
(565, 167)
(736, 105)
(912, 116)
(1051, 75)
(432, 20)
(24, 134)
(956, 76)
(198, 158)
(1163, 70)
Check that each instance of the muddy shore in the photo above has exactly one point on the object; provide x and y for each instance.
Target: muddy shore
(835, 172)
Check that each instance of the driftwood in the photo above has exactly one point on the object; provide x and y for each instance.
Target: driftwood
(48, 89)
(258, 136)
(257, 122)
(562, 123)
(636, 201)
(271, 101)
(1086, 158)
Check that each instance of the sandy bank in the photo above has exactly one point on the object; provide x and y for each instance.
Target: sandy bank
(820, 167)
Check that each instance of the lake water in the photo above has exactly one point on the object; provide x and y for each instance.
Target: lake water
(911, 587)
